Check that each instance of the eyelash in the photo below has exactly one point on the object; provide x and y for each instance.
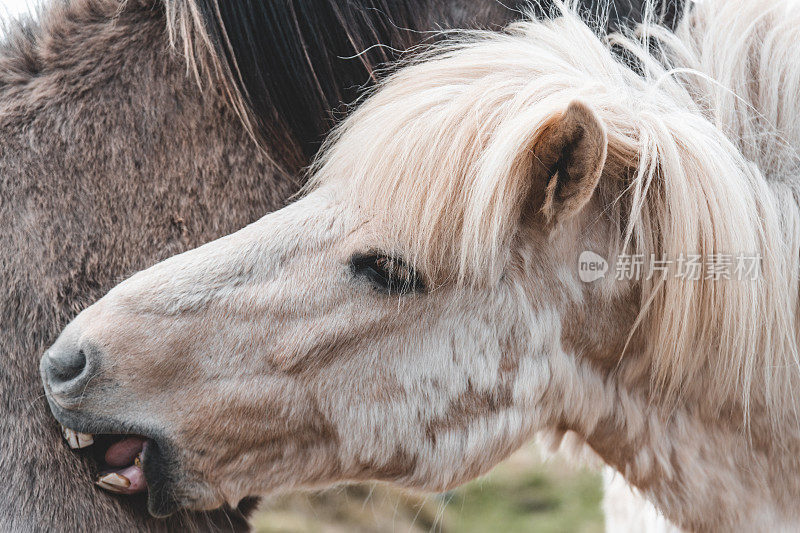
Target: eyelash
(388, 274)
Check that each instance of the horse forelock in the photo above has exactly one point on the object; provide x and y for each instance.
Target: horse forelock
(440, 150)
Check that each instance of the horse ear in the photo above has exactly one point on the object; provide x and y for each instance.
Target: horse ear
(569, 155)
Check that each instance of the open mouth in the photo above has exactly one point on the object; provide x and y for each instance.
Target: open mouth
(129, 461)
(130, 464)
(121, 458)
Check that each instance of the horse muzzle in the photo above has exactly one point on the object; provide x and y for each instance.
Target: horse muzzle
(130, 459)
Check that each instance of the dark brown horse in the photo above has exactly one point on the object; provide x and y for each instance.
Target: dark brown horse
(135, 130)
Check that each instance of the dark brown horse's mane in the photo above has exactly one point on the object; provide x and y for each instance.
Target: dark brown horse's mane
(304, 59)
(294, 65)
(290, 66)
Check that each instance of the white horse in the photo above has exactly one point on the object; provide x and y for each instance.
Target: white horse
(521, 231)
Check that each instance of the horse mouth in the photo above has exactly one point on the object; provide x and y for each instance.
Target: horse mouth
(130, 460)
(121, 458)
(130, 464)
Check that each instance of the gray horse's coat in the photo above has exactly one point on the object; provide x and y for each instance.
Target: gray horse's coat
(112, 159)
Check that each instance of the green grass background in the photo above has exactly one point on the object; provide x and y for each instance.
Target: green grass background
(523, 494)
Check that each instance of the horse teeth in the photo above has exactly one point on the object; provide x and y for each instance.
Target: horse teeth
(76, 440)
(84, 440)
(113, 482)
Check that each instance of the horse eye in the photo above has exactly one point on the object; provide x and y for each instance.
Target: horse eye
(388, 274)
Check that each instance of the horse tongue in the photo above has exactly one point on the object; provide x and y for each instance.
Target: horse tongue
(124, 452)
(130, 479)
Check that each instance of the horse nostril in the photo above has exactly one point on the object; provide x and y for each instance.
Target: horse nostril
(68, 366)
(65, 366)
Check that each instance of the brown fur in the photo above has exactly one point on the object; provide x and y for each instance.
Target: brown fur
(112, 159)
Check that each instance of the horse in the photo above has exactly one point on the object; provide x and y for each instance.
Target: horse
(518, 231)
(124, 141)
(136, 130)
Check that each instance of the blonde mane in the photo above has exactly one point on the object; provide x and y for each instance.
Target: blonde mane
(702, 135)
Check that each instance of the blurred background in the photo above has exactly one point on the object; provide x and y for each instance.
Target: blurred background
(523, 494)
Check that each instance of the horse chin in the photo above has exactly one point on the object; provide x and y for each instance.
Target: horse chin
(164, 483)
(160, 469)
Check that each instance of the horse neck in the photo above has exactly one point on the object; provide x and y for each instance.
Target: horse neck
(112, 160)
(703, 473)
(705, 469)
